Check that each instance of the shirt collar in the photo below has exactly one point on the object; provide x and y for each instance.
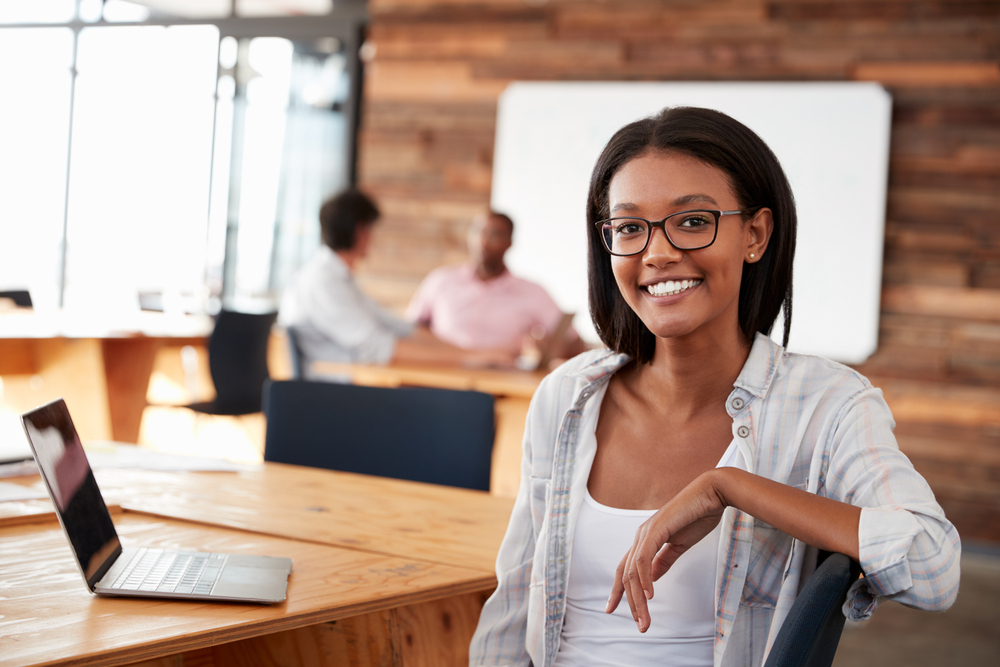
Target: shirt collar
(755, 378)
(470, 272)
(334, 262)
(762, 364)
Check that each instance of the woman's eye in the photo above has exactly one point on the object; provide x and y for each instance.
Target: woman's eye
(695, 221)
(627, 228)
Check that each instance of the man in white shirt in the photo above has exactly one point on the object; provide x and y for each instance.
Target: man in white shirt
(335, 321)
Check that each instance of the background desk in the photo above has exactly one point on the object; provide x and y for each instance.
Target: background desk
(99, 363)
(375, 580)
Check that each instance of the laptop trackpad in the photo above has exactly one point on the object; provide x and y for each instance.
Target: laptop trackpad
(253, 582)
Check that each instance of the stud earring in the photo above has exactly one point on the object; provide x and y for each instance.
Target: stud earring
(752, 255)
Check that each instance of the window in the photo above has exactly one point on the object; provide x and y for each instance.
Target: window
(156, 156)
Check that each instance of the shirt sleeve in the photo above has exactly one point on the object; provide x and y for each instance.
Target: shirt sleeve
(354, 322)
(500, 636)
(421, 307)
(909, 551)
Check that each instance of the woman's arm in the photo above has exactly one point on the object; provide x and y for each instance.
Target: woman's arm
(693, 513)
(873, 507)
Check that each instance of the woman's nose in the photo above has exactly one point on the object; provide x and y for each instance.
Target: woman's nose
(659, 250)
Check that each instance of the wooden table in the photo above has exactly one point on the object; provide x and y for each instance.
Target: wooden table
(385, 572)
(99, 363)
(512, 389)
(499, 382)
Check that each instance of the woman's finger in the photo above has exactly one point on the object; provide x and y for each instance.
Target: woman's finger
(617, 587)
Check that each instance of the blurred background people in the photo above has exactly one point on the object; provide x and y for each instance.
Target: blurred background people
(481, 304)
(335, 321)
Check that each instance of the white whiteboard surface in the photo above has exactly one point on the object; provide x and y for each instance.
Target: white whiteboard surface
(832, 140)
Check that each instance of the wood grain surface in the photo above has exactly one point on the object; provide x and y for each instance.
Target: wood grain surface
(50, 618)
(408, 519)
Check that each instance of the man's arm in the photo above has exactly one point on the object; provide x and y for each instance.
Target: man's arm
(423, 347)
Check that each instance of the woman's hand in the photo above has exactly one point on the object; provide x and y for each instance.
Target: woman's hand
(824, 523)
(661, 540)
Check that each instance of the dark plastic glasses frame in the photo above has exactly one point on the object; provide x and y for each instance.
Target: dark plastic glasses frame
(662, 224)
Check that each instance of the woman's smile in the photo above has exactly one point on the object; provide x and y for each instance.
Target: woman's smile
(670, 287)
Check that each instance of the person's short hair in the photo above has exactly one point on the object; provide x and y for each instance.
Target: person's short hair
(342, 214)
(757, 181)
(502, 216)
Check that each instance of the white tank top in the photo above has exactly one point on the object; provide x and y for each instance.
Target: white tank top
(682, 611)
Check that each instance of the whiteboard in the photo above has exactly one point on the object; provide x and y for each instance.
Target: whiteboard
(832, 140)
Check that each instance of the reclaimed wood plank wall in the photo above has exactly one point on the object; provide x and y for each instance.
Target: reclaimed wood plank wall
(435, 68)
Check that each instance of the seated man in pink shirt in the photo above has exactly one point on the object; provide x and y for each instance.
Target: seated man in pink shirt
(482, 305)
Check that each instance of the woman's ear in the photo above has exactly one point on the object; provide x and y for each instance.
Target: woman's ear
(758, 232)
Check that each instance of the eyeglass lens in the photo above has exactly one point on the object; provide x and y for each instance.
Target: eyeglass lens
(688, 230)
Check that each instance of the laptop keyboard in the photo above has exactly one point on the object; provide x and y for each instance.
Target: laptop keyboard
(164, 571)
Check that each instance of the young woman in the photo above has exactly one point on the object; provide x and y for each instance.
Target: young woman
(693, 471)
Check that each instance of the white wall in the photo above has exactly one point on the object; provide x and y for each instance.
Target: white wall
(831, 138)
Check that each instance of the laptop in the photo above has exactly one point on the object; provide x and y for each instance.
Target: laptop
(110, 569)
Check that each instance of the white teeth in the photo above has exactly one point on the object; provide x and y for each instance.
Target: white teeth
(670, 287)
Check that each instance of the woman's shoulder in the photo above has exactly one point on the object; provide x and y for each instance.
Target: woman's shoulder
(575, 375)
(808, 375)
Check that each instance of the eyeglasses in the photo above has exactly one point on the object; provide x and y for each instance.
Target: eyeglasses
(687, 230)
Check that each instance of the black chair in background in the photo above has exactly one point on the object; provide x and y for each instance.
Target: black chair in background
(811, 632)
(20, 297)
(439, 436)
(237, 360)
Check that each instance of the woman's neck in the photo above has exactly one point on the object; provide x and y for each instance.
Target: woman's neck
(693, 372)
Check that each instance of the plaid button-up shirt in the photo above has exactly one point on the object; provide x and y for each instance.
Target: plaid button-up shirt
(799, 420)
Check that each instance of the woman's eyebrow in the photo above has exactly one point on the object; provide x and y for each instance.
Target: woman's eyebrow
(693, 199)
(629, 207)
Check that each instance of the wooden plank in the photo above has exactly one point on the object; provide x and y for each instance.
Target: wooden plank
(927, 402)
(639, 20)
(936, 202)
(937, 74)
(919, 272)
(438, 632)
(362, 641)
(43, 591)
(966, 303)
(887, 10)
(427, 82)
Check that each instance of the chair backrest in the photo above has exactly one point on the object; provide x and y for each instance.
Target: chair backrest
(295, 353)
(811, 632)
(440, 436)
(237, 359)
(20, 297)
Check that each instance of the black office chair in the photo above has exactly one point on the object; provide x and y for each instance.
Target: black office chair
(439, 436)
(237, 360)
(811, 632)
(295, 353)
(20, 297)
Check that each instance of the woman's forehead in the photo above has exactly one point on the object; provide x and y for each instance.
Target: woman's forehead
(661, 176)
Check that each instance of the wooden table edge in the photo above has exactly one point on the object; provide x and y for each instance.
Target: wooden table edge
(127, 655)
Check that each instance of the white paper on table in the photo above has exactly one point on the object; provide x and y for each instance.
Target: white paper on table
(18, 469)
(10, 491)
(105, 454)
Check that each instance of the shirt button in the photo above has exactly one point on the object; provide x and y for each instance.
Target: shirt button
(743, 431)
(737, 403)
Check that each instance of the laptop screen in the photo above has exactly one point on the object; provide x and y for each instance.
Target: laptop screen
(67, 474)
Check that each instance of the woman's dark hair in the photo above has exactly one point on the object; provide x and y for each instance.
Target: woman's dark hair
(342, 214)
(757, 181)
